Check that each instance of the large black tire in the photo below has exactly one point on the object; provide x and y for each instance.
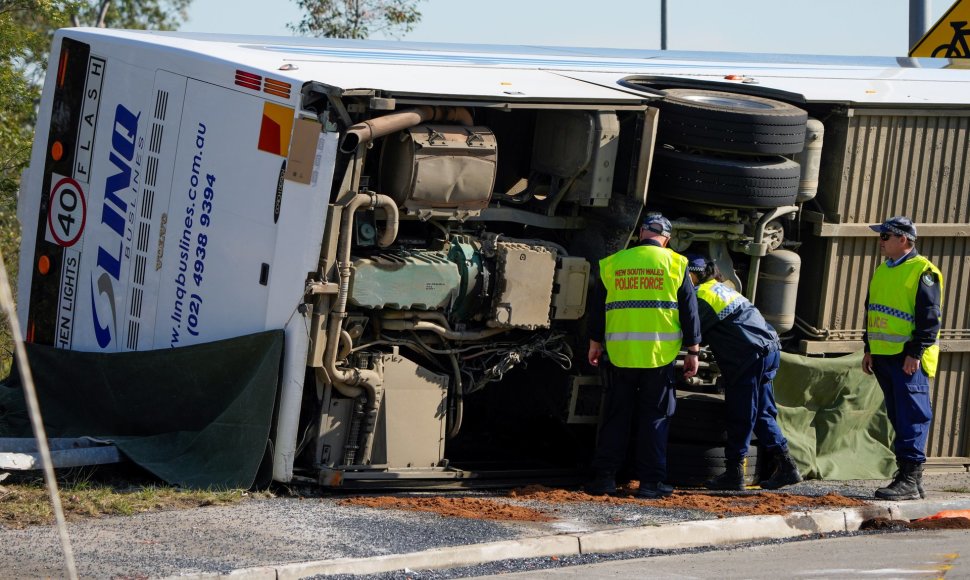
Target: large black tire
(730, 123)
(691, 464)
(699, 418)
(723, 181)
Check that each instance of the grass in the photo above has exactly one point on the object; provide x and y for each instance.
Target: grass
(24, 502)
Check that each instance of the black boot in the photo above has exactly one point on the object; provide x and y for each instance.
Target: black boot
(786, 473)
(906, 484)
(919, 482)
(653, 490)
(732, 478)
(603, 484)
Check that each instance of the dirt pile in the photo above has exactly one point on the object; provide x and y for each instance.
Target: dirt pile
(763, 503)
(459, 507)
(881, 524)
(759, 503)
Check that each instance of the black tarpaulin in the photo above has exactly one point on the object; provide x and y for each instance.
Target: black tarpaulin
(196, 416)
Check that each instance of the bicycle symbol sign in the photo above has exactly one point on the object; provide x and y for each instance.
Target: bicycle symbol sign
(949, 36)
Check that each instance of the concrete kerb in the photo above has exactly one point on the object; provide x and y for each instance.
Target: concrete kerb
(912, 510)
(721, 532)
(437, 558)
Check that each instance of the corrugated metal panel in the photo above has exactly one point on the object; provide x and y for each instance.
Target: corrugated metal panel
(916, 165)
(950, 392)
(849, 264)
(878, 164)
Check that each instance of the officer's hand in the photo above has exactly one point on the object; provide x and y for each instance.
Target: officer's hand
(595, 353)
(690, 366)
(867, 363)
(911, 365)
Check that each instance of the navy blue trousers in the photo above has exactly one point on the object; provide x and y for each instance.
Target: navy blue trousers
(651, 396)
(751, 407)
(907, 404)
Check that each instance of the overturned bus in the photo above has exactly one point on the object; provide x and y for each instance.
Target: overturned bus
(421, 223)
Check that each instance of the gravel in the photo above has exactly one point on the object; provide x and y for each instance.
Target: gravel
(282, 530)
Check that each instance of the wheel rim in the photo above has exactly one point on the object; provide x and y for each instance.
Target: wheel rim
(727, 101)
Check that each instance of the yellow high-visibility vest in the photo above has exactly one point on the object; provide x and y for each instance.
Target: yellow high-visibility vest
(723, 299)
(891, 317)
(642, 317)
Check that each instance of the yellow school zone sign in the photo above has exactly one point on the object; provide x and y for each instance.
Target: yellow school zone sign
(948, 37)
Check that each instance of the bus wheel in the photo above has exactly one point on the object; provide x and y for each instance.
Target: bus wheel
(700, 418)
(761, 182)
(730, 123)
(691, 464)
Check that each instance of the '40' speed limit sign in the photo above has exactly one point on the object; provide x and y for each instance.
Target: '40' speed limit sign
(67, 212)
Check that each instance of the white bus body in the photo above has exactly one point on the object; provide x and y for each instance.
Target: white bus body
(185, 188)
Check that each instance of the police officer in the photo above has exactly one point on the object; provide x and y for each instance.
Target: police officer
(902, 329)
(747, 349)
(643, 310)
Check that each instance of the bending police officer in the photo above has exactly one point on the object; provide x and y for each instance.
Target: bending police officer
(903, 317)
(643, 310)
(747, 350)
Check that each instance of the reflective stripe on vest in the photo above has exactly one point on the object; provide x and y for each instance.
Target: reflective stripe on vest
(723, 299)
(891, 319)
(614, 336)
(642, 316)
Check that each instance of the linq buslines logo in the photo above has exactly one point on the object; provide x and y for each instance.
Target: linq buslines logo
(67, 212)
(113, 212)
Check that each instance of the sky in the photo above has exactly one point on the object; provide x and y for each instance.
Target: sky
(829, 27)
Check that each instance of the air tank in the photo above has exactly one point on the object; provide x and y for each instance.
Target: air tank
(778, 289)
(810, 160)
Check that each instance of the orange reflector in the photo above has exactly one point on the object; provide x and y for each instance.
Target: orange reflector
(44, 265)
(275, 87)
(57, 150)
(30, 332)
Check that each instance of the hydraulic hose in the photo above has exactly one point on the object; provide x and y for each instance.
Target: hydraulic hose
(353, 382)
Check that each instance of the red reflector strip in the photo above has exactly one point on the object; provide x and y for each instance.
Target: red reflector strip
(247, 84)
(248, 80)
(278, 88)
(62, 68)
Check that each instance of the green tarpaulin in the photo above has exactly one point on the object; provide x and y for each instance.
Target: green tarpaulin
(196, 416)
(834, 418)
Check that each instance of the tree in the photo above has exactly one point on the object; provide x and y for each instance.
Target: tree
(357, 18)
(139, 14)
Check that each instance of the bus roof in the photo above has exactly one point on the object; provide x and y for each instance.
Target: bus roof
(541, 72)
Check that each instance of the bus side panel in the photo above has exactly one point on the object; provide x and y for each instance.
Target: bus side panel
(156, 151)
(221, 231)
(303, 213)
(159, 208)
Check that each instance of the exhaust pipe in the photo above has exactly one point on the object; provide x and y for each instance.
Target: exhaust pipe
(367, 131)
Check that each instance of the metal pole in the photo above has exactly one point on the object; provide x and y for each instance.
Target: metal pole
(919, 17)
(663, 24)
